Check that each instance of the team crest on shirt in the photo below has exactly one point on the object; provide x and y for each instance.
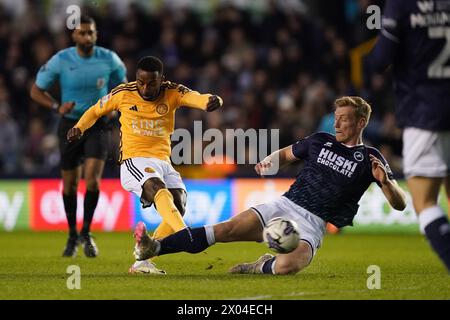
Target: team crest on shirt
(162, 109)
(100, 83)
(358, 156)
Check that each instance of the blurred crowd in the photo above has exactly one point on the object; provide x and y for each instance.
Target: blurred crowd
(277, 64)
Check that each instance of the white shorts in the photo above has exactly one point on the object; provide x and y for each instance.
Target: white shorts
(426, 153)
(311, 227)
(135, 171)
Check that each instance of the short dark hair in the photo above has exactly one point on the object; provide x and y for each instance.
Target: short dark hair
(87, 19)
(150, 64)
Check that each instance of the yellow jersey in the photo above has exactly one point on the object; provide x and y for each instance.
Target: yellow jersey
(145, 126)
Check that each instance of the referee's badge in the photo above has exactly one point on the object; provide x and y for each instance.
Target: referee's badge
(100, 83)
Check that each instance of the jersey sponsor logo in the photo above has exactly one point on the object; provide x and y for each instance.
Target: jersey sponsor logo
(430, 15)
(358, 156)
(328, 144)
(425, 6)
(151, 128)
(337, 163)
(133, 108)
(162, 109)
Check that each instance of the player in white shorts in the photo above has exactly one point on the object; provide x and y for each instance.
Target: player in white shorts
(135, 171)
(337, 171)
(312, 228)
(417, 54)
(426, 153)
(147, 109)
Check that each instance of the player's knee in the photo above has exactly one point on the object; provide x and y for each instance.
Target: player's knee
(151, 187)
(180, 206)
(180, 203)
(93, 184)
(70, 186)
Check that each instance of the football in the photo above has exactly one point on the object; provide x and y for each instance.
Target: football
(281, 235)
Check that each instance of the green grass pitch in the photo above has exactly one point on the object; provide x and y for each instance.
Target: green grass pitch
(31, 268)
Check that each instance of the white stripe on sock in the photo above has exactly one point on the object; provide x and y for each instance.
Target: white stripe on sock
(429, 215)
(210, 235)
(273, 266)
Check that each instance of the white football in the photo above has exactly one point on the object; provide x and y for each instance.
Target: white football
(281, 235)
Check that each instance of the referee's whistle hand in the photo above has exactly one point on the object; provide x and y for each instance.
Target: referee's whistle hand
(66, 107)
(73, 134)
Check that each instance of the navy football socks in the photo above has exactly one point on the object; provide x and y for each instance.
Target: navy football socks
(186, 240)
(267, 267)
(438, 234)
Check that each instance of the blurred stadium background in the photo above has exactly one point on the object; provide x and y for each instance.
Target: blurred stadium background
(277, 64)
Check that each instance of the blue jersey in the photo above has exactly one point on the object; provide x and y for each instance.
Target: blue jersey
(415, 39)
(334, 177)
(82, 80)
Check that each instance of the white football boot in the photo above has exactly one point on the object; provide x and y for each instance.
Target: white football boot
(145, 267)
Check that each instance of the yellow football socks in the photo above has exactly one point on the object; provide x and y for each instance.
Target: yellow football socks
(168, 211)
(162, 231)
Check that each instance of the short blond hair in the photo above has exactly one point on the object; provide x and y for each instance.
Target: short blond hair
(362, 108)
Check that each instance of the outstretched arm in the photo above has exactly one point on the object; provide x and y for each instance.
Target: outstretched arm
(194, 99)
(275, 160)
(393, 193)
(105, 105)
(86, 121)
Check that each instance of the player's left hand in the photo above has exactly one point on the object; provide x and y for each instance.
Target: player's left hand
(214, 103)
(378, 169)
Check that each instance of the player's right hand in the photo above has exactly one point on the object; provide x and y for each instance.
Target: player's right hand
(73, 134)
(66, 107)
(262, 167)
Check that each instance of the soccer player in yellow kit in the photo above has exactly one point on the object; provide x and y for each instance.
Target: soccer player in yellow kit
(147, 115)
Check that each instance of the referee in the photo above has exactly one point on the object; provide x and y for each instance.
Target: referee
(85, 73)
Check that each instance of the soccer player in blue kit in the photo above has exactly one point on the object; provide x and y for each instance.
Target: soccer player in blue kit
(415, 40)
(337, 171)
(85, 72)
